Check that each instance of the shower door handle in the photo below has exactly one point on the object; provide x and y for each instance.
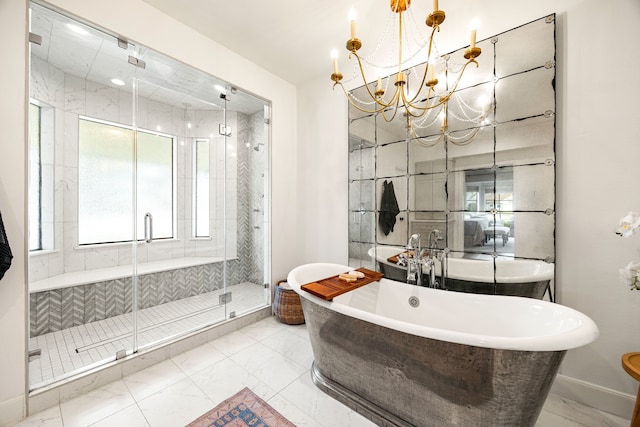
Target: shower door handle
(148, 227)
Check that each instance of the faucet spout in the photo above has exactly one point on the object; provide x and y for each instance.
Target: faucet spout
(414, 263)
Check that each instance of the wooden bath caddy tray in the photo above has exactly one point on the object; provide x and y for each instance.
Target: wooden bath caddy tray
(394, 259)
(331, 287)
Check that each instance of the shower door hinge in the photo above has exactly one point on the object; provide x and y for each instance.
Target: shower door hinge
(232, 315)
(120, 354)
(123, 44)
(137, 62)
(35, 38)
(224, 129)
(265, 285)
(225, 298)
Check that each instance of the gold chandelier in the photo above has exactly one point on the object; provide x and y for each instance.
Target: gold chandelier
(425, 98)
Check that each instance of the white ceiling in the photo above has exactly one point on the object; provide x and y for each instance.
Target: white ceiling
(293, 38)
(290, 38)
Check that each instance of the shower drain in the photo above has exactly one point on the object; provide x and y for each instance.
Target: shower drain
(414, 301)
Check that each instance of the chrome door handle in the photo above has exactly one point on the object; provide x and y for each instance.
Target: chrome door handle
(148, 227)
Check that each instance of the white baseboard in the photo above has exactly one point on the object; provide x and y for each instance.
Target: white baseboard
(11, 411)
(601, 398)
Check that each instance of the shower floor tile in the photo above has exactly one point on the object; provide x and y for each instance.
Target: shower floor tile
(64, 353)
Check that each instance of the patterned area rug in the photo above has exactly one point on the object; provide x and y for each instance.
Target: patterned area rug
(240, 410)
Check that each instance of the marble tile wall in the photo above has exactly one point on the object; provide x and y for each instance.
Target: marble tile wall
(69, 97)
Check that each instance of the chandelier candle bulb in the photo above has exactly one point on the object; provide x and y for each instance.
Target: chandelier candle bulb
(334, 55)
(435, 5)
(352, 19)
(474, 28)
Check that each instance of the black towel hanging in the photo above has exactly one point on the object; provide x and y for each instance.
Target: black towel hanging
(388, 208)
(5, 251)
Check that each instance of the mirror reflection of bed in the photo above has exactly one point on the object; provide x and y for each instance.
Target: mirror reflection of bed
(483, 234)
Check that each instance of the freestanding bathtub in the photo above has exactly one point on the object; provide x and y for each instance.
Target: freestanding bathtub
(516, 277)
(404, 355)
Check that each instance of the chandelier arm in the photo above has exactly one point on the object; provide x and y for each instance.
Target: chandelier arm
(426, 69)
(364, 110)
(455, 86)
(390, 119)
(422, 110)
(445, 98)
(378, 100)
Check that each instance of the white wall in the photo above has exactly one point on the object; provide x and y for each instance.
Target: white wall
(598, 178)
(12, 206)
(323, 156)
(137, 21)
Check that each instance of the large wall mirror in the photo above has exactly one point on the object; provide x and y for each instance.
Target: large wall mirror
(487, 184)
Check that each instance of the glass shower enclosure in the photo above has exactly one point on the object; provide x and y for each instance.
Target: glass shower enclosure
(148, 199)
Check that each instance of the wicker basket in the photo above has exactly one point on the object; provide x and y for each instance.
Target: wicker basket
(287, 307)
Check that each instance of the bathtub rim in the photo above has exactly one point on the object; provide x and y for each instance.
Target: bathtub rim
(584, 334)
(547, 268)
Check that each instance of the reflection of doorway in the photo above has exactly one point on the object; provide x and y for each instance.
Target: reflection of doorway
(488, 205)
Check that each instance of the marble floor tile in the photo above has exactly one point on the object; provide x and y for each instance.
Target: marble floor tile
(176, 405)
(566, 412)
(291, 345)
(131, 416)
(96, 405)
(263, 329)
(269, 366)
(233, 343)
(325, 410)
(198, 358)
(151, 380)
(48, 418)
(226, 378)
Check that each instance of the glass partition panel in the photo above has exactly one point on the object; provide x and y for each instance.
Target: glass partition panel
(153, 219)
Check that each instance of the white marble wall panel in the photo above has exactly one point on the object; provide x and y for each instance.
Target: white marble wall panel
(159, 250)
(142, 253)
(70, 192)
(56, 262)
(101, 258)
(38, 267)
(70, 153)
(47, 83)
(177, 249)
(102, 101)
(125, 107)
(74, 260)
(125, 255)
(75, 90)
(159, 117)
(179, 122)
(140, 113)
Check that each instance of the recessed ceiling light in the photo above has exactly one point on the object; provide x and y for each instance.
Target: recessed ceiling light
(117, 82)
(77, 29)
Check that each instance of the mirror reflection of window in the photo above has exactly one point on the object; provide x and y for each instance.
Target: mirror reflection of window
(489, 203)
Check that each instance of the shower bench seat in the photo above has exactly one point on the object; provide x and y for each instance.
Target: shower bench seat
(72, 299)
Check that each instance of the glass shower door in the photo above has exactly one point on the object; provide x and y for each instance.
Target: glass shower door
(179, 266)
